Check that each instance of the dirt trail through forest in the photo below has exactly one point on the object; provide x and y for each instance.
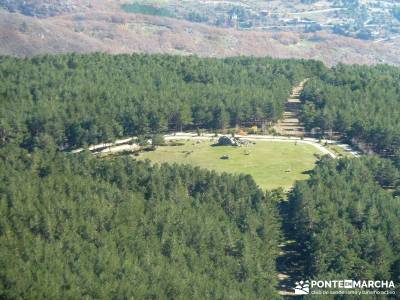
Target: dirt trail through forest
(290, 124)
(290, 265)
(289, 262)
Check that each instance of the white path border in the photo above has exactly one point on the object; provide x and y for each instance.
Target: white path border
(127, 144)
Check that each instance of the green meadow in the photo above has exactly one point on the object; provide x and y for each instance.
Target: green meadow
(272, 164)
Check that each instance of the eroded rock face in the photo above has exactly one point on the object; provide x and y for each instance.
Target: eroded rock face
(39, 8)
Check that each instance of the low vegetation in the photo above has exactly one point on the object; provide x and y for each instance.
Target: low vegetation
(146, 9)
(102, 26)
(39, 8)
(358, 19)
(271, 164)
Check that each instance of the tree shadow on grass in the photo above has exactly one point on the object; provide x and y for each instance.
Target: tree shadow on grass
(307, 172)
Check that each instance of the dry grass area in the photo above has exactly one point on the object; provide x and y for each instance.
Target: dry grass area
(103, 27)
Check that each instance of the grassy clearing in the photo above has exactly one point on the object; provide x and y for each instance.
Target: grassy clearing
(272, 164)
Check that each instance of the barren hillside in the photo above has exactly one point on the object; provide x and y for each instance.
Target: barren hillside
(102, 26)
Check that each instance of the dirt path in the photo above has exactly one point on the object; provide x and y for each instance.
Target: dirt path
(290, 265)
(290, 124)
(309, 141)
(128, 144)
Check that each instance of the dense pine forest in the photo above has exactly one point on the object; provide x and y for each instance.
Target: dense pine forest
(348, 225)
(78, 226)
(360, 101)
(73, 226)
(86, 99)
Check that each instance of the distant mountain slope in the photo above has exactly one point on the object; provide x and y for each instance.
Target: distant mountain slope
(40, 8)
(102, 26)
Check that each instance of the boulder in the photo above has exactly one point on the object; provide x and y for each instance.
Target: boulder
(227, 141)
